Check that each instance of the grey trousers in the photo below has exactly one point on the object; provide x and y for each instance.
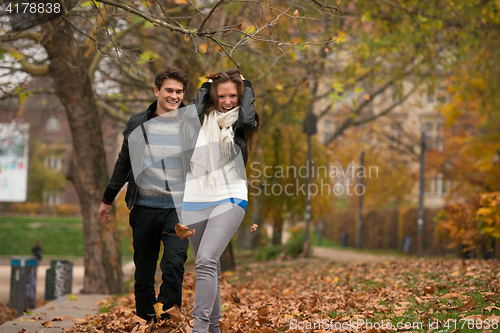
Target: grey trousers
(215, 226)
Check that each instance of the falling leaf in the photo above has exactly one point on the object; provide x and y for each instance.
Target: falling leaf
(190, 282)
(296, 12)
(223, 278)
(253, 227)
(238, 27)
(182, 231)
(248, 283)
(367, 97)
(186, 38)
(279, 48)
(158, 309)
(175, 314)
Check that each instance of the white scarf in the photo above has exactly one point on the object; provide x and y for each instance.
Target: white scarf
(217, 128)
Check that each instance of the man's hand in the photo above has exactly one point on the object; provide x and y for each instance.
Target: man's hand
(104, 211)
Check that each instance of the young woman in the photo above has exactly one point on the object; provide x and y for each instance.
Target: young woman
(216, 194)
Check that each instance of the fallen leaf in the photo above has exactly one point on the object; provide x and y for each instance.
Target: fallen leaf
(262, 314)
(182, 231)
(429, 290)
(175, 314)
(48, 323)
(467, 305)
(490, 308)
(235, 297)
(223, 325)
(81, 320)
(158, 309)
(450, 295)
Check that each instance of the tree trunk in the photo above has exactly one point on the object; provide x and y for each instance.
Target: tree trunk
(277, 232)
(227, 262)
(88, 172)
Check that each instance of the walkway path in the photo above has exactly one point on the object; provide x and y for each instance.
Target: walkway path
(346, 255)
(53, 317)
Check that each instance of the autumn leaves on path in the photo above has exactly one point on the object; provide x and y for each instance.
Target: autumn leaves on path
(322, 296)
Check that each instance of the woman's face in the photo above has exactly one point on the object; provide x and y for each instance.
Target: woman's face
(227, 96)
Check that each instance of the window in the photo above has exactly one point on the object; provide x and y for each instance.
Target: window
(54, 198)
(327, 130)
(438, 185)
(53, 124)
(54, 162)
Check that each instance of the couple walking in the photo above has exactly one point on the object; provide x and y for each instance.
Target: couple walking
(185, 163)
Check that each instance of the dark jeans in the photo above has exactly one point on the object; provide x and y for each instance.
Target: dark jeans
(148, 226)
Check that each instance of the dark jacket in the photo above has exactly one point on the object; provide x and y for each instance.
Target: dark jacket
(122, 172)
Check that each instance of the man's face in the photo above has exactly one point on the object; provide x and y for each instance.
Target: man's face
(169, 96)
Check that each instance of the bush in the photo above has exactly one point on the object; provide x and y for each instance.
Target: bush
(292, 249)
(268, 252)
(295, 245)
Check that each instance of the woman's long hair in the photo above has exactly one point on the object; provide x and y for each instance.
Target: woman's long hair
(233, 75)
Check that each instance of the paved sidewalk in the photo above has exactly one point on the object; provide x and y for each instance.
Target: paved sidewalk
(346, 255)
(70, 311)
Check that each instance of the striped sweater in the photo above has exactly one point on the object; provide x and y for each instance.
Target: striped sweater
(155, 149)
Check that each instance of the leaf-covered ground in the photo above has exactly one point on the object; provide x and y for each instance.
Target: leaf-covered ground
(320, 296)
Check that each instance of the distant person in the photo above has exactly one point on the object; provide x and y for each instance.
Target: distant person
(153, 215)
(37, 250)
(406, 244)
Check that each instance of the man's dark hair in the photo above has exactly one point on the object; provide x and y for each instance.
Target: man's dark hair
(173, 73)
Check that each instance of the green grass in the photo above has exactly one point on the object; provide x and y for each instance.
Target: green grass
(58, 236)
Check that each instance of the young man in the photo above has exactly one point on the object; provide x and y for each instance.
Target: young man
(153, 216)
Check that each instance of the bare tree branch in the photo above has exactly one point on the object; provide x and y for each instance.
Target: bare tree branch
(325, 6)
(19, 35)
(26, 66)
(97, 58)
(111, 111)
(209, 14)
(387, 110)
(153, 20)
